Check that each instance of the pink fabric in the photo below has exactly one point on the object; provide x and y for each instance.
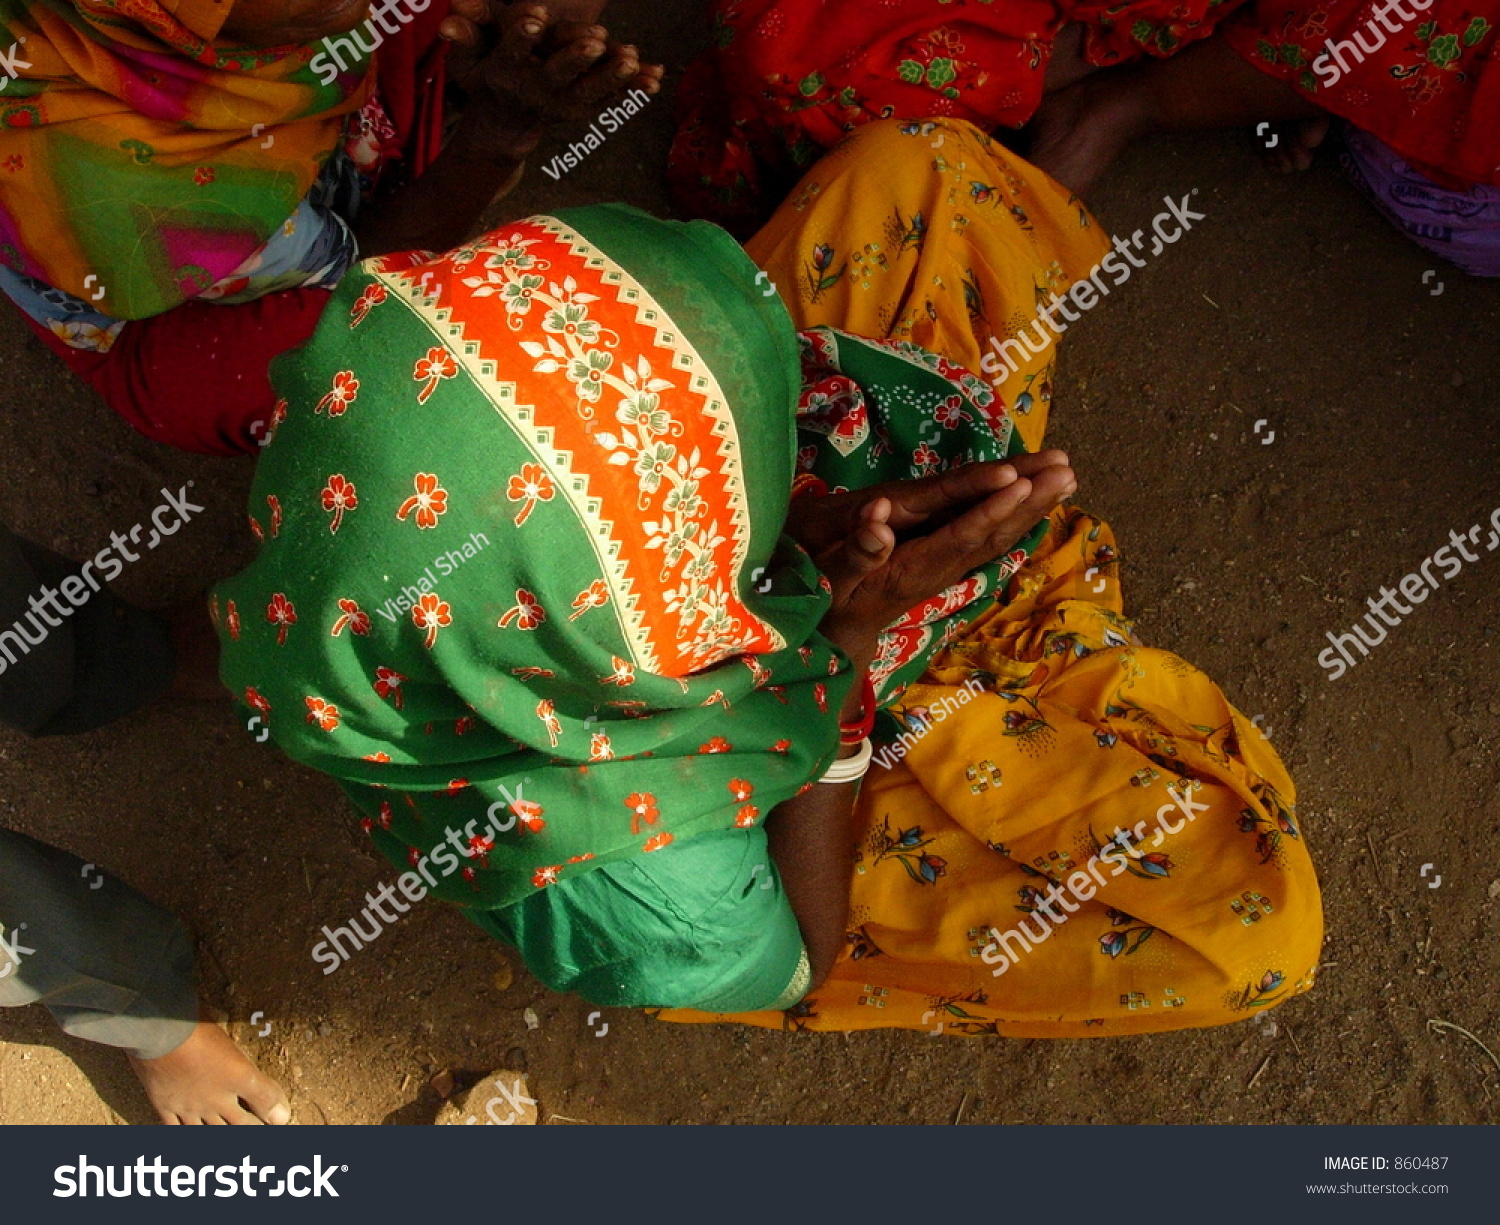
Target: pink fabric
(197, 377)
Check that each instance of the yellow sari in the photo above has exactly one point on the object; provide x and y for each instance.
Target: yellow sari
(1078, 835)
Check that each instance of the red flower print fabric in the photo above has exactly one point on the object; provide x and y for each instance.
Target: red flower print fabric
(789, 79)
(533, 596)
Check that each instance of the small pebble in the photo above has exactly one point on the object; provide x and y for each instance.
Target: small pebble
(486, 1103)
(531, 1019)
(504, 976)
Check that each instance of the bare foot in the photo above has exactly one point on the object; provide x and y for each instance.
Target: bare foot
(208, 1080)
(1078, 131)
(1295, 143)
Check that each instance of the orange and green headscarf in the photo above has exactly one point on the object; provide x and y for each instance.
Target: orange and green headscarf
(141, 161)
(523, 587)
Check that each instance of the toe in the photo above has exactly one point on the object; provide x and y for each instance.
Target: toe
(265, 1098)
(237, 1116)
(1314, 132)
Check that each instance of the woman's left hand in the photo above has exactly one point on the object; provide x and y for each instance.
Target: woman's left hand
(471, 24)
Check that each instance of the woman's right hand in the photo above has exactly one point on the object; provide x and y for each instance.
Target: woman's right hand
(875, 579)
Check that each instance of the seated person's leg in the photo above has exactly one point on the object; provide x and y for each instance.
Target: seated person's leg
(1080, 130)
(934, 234)
(65, 673)
(114, 968)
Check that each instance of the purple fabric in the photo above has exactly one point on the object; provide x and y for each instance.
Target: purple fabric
(1463, 227)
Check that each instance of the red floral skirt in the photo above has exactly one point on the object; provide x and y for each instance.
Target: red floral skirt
(1430, 90)
(789, 79)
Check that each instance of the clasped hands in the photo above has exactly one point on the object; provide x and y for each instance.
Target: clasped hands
(526, 66)
(888, 548)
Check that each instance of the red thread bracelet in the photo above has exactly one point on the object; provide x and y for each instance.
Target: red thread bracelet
(853, 733)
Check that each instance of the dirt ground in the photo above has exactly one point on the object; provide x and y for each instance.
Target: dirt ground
(1293, 303)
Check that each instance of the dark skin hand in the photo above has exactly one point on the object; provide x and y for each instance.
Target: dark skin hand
(972, 516)
(817, 524)
(471, 22)
(516, 91)
(536, 68)
(523, 68)
(279, 23)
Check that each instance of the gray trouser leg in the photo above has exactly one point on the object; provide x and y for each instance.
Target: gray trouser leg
(98, 662)
(109, 965)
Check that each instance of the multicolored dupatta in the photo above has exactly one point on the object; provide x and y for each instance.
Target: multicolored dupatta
(140, 162)
(522, 586)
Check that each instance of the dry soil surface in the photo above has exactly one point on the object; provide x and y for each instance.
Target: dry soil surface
(1292, 303)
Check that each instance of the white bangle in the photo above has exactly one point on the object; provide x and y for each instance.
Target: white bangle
(850, 769)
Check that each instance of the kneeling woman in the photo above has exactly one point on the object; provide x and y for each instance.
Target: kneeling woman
(584, 573)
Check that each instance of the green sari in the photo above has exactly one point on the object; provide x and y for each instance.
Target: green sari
(523, 588)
